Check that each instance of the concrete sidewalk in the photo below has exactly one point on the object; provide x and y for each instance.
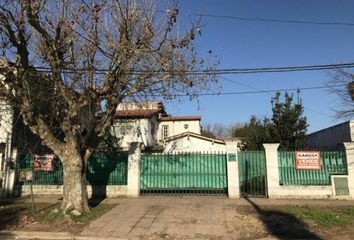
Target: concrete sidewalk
(184, 217)
(198, 217)
(237, 202)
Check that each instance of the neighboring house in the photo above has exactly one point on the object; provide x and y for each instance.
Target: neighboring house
(148, 122)
(333, 136)
(193, 142)
(15, 139)
(6, 127)
(137, 122)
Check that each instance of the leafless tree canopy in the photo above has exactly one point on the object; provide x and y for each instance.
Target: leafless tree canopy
(342, 84)
(64, 60)
(67, 64)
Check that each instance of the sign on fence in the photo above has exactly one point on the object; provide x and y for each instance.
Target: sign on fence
(43, 163)
(308, 160)
(25, 175)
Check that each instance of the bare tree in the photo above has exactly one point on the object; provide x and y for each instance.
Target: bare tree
(66, 65)
(342, 84)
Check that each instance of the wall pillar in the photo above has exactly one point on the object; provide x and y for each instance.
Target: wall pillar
(349, 149)
(134, 155)
(272, 168)
(233, 181)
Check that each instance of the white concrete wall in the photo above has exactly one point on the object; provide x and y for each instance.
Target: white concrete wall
(193, 144)
(141, 130)
(6, 124)
(349, 148)
(233, 179)
(110, 190)
(298, 192)
(133, 187)
(332, 136)
(272, 168)
(178, 127)
(304, 192)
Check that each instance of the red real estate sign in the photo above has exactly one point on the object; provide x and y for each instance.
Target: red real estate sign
(44, 162)
(308, 160)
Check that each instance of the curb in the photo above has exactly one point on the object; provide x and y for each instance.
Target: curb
(49, 235)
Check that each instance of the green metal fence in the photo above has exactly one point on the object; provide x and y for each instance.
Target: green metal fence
(189, 173)
(252, 173)
(103, 169)
(332, 163)
(108, 169)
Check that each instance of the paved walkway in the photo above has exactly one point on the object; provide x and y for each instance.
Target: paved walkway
(237, 202)
(185, 217)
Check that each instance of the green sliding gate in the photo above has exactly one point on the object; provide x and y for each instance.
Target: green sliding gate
(187, 173)
(252, 173)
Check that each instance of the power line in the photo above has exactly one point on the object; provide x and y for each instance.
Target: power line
(251, 19)
(274, 20)
(255, 88)
(211, 71)
(248, 92)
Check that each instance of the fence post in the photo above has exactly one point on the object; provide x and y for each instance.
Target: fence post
(272, 168)
(349, 150)
(233, 181)
(134, 155)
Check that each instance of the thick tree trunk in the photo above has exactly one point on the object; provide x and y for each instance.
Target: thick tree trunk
(75, 192)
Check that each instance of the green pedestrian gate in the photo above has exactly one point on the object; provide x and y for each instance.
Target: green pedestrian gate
(187, 173)
(252, 173)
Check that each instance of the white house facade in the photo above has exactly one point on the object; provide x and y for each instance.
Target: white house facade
(147, 122)
(137, 122)
(193, 142)
(171, 126)
(6, 127)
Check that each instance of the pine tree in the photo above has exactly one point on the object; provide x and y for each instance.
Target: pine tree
(289, 125)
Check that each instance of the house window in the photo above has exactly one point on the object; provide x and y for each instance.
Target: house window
(164, 132)
(124, 130)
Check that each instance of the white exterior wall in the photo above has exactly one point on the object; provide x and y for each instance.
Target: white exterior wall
(193, 144)
(6, 124)
(139, 105)
(177, 127)
(275, 190)
(233, 179)
(349, 148)
(141, 130)
(305, 192)
(109, 190)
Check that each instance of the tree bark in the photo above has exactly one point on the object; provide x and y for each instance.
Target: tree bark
(74, 188)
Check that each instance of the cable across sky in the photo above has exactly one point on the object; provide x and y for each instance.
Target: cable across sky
(251, 92)
(273, 20)
(219, 71)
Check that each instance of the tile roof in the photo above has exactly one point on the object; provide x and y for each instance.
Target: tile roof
(138, 113)
(180, 118)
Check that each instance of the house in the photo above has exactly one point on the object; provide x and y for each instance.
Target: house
(193, 142)
(332, 137)
(137, 122)
(6, 127)
(148, 122)
(172, 126)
